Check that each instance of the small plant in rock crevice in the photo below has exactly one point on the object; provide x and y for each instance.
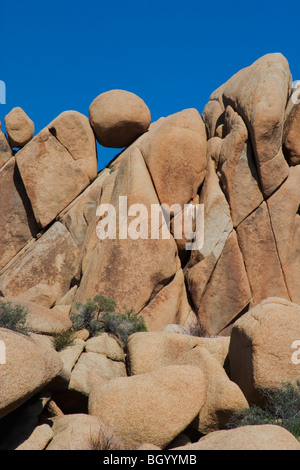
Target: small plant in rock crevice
(99, 315)
(282, 407)
(63, 339)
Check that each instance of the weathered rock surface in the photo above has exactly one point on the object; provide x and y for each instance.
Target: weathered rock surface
(82, 432)
(258, 247)
(72, 129)
(259, 94)
(51, 260)
(118, 118)
(291, 145)
(145, 408)
(223, 397)
(261, 350)
(39, 438)
(5, 149)
(174, 150)
(107, 345)
(18, 224)
(283, 208)
(19, 127)
(51, 175)
(256, 437)
(40, 319)
(149, 351)
(92, 368)
(31, 364)
(145, 264)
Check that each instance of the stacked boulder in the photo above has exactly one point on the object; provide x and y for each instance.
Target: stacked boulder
(231, 306)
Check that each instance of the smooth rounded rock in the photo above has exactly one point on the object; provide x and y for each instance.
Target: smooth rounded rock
(118, 118)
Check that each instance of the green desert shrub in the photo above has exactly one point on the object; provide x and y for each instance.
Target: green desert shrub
(99, 315)
(63, 339)
(13, 317)
(282, 407)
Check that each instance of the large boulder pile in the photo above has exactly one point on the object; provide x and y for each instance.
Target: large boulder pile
(222, 319)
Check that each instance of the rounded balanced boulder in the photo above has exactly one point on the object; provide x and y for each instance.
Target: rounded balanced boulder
(19, 127)
(118, 118)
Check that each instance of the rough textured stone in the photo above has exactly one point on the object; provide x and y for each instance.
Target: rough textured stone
(152, 407)
(259, 437)
(223, 396)
(217, 227)
(69, 357)
(118, 118)
(51, 176)
(41, 294)
(40, 319)
(259, 94)
(82, 212)
(73, 131)
(213, 116)
(82, 432)
(19, 127)
(260, 352)
(149, 351)
(52, 260)
(18, 225)
(30, 365)
(169, 305)
(5, 150)
(291, 133)
(92, 368)
(228, 291)
(237, 169)
(175, 152)
(284, 213)
(258, 247)
(107, 345)
(139, 268)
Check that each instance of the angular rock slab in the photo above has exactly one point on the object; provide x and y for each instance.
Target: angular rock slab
(261, 348)
(152, 407)
(131, 271)
(284, 209)
(18, 224)
(228, 291)
(149, 351)
(72, 129)
(51, 260)
(260, 254)
(170, 305)
(291, 133)
(237, 169)
(30, 365)
(51, 176)
(217, 228)
(5, 150)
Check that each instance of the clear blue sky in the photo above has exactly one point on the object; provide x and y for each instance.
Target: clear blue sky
(59, 55)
